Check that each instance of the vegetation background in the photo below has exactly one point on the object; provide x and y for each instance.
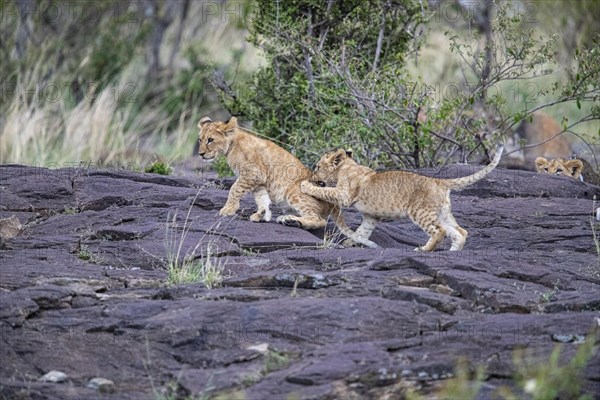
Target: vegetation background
(404, 83)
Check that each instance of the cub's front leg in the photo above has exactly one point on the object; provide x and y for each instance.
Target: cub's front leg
(237, 191)
(328, 194)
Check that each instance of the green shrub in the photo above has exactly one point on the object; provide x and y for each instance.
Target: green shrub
(159, 168)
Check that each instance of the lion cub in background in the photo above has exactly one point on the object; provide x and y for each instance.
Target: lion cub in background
(269, 172)
(560, 166)
(391, 195)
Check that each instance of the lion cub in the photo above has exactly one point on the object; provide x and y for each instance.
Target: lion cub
(266, 170)
(393, 194)
(560, 166)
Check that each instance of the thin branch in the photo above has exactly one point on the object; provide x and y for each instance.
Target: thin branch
(379, 40)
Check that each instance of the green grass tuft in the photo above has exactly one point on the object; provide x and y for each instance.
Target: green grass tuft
(159, 168)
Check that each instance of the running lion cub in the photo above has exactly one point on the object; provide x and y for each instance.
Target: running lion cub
(392, 194)
(269, 172)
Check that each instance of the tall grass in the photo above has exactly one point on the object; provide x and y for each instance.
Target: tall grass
(121, 116)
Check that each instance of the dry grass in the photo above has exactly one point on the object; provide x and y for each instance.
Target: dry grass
(47, 129)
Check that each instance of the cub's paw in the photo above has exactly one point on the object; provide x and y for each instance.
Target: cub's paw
(289, 220)
(227, 211)
(306, 187)
(261, 215)
(257, 216)
(422, 249)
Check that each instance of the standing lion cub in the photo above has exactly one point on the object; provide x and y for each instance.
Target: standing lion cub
(269, 172)
(392, 194)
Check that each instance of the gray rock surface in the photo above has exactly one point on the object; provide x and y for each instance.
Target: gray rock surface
(83, 290)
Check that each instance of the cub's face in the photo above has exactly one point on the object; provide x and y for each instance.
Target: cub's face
(559, 166)
(215, 137)
(327, 169)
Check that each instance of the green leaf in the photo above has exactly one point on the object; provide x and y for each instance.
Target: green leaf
(578, 104)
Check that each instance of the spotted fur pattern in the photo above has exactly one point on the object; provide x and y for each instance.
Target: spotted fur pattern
(391, 195)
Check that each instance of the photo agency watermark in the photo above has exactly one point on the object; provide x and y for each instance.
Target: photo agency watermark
(65, 11)
(473, 332)
(473, 10)
(221, 333)
(236, 334)
(49, 92)
(122, 11)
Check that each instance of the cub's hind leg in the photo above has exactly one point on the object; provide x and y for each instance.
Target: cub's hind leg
(363, 232)
(457, 234)
(429, 222)
(263, 201)
(312, 212)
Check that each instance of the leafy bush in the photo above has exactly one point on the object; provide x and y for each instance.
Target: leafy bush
(297, 98)
(335, 76)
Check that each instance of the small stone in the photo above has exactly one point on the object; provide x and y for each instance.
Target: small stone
(10, 227)
(54, 377)
(568, 338)
(405, 373)
(102, 385)
(261, 348)
(530, 386)
(443, 289)
(418, 281)
(423, 375)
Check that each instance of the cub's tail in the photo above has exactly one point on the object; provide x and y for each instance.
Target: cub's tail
(460, 183)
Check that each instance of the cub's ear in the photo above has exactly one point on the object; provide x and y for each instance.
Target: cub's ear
(575, 166)
(540, 163)
(339, 156)
(349, 153)
(203, 121)
(231, 125)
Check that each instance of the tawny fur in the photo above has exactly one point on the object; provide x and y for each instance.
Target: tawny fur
(543, 132)
(560, 166)
(268, 171)
(393, 194)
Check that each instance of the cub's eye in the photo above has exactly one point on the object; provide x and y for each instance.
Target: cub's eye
(209, 140)
(546, 169)
(559, 170)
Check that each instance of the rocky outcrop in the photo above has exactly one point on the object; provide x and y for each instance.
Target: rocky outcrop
(83, 292)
